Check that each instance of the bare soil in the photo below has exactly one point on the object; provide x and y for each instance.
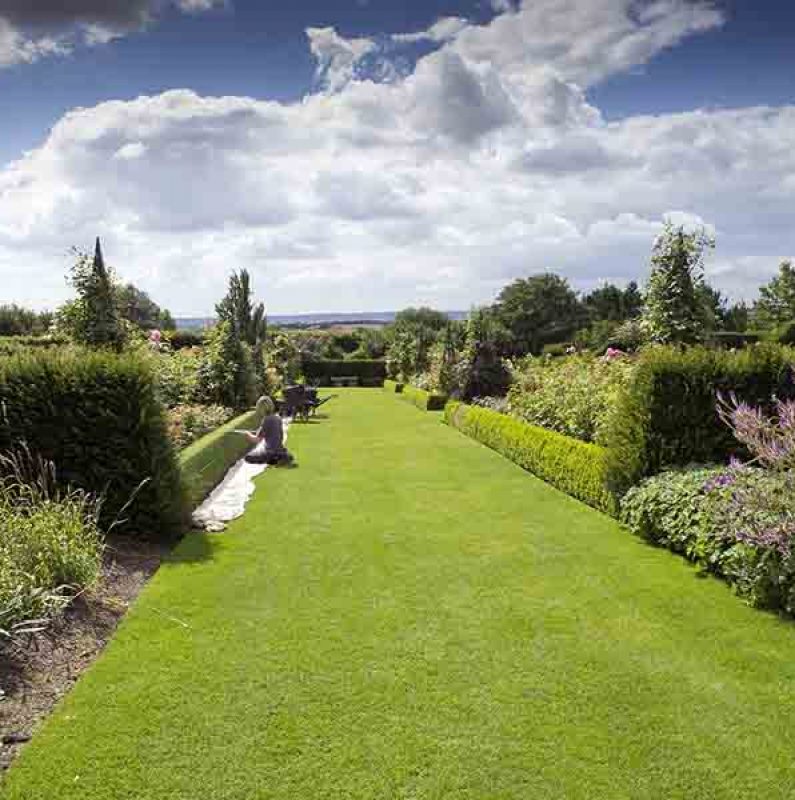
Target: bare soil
(38, 670)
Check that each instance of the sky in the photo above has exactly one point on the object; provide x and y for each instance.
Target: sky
(363, 155)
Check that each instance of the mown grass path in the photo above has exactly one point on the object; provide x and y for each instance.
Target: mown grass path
(408, 615)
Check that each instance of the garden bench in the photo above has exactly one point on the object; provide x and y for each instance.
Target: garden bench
(344, 380)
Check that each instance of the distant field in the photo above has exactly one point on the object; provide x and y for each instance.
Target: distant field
(358, 319)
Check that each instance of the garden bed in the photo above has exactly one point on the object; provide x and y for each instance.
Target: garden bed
(39, 670)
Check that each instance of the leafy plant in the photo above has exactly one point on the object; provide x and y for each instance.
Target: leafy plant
(187, 423)
(50, 543)
(674, 310)
(226, 372)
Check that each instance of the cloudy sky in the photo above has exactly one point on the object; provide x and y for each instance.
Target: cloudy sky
(371, 154)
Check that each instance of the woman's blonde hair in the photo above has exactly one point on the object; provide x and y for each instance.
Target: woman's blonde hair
(265, 405)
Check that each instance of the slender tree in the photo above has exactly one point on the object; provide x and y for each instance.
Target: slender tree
(674, 309)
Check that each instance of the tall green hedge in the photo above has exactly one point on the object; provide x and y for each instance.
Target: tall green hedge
(96, 416)
(666, 416)
(205, 462)
(427, 401)
(369, 373)
(575, 467)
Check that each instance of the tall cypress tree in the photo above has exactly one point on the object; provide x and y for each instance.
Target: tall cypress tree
(95, 319)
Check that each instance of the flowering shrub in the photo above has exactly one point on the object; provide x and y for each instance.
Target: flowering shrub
(737, 521)
(573, 395)
(187, 423)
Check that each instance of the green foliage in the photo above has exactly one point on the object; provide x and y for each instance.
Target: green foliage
(538, 310)
(608, 303)
(93, 319)
(97, 417)
(575, 467)
(17, 321)
(11, 345)
(776, 304)
(283, 361)
(181, 340)
(423, 317)
(139, 309)
(237, 308)
(205, 462)
(481, 372)
(369, 373)
(426, 401)
(574, 395)
(392, 387)
(50, 549)
(666, 415)
(675, 311)
(226, 371)
(187, 423)
(177, 376)
(689, 512)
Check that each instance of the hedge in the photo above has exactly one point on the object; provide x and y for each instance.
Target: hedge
(393, 387)
(426, 401)
(205, 462)
(369, 373)
(666, 416)
(97, 418)
(575, 467)
(11, 345)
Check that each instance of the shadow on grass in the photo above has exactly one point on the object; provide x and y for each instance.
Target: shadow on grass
(196, 546)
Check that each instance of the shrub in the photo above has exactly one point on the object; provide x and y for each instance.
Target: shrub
(15, 344)
(426, 401)
(575, 467)
(226, 372)
(186, 423)
(573, 395)
(205, 462)
(97, 417)
(704, 514)
(666, 417)
(393, 387)
(177, 376)
(369, 373)
(180, 340)
(50, 546)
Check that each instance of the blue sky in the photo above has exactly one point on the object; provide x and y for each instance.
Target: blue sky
(527, 104)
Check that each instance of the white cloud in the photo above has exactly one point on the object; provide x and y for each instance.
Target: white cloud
(487, 162)
(337, 57)
(35, 29)
(444, 30)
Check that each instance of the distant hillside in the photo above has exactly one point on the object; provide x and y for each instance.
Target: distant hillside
(315, 320)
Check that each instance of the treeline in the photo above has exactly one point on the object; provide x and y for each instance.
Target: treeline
(544, 314)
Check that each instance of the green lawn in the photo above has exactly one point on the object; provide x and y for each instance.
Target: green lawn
(408, 615)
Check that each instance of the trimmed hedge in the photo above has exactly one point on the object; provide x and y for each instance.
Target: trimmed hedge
(393, 387)
(575, 467)
(96, 416)
(666, 416)
(426, 401)
(11, 345)
(205, 462)
(369, 373)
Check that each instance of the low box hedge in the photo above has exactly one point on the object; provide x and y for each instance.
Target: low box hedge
(666, 416)
(368, 373)
(97, 417)
(426, 401)
(205, 462)
(575, 467)
(393, 387)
